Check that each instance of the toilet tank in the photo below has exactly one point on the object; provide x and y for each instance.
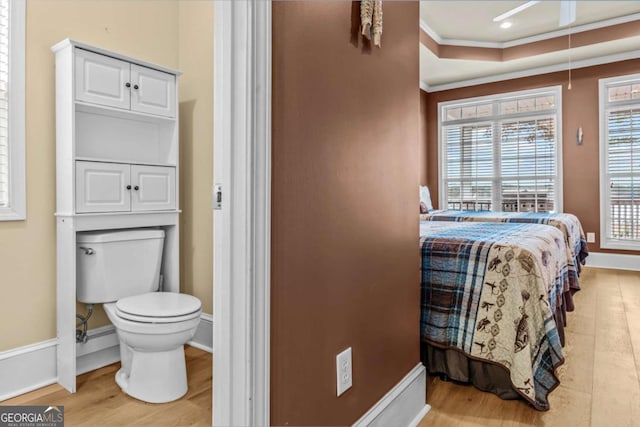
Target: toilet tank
(111, 265)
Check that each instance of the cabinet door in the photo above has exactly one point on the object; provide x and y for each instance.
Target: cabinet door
(153, 91)
(102, 187)
(154, 188)
(102, 80)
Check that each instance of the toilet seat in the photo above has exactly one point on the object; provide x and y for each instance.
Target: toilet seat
(158, 307)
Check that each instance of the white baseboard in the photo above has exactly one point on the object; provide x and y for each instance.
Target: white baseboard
(403, 405)
(33, 366)
(100, 350)
(40, 362)
(203, 339)
(613, 261)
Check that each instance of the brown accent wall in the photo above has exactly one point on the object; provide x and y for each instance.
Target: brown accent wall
(581, 165)
(424, 99)
(345, 258)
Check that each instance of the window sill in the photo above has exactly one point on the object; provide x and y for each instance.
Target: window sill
(626, 245)
(9, 214)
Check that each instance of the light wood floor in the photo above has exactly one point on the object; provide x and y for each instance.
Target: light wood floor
(100, 402)
(600, 383)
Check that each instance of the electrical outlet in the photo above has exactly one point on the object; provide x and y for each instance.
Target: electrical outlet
(591, 237)
(344, 375)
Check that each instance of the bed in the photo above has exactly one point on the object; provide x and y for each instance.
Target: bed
(567, 223)
(490, 292)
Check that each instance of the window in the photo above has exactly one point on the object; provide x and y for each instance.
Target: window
(620, 162)
(502, 152)
(12, 169)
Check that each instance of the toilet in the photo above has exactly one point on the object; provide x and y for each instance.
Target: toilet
(121, 270)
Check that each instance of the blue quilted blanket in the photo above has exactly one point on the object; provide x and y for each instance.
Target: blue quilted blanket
(488, 290)
(567, 223)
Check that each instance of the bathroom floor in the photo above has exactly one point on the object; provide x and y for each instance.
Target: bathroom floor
(100, 402)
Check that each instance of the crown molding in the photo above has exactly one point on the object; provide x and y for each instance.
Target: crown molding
(635, 54)
(531, 39)
(427, 29)
(573, 30)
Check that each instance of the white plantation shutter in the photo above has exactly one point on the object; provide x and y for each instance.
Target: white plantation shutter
(470, 165)
(502, 152)
(620, 155)
(528, 164)
(4, 103)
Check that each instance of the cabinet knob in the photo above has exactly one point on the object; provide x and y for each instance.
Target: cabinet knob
(128, 187)
(135, 87)
(127, 84)
(136, 188)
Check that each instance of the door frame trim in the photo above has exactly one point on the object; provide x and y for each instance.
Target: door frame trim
(241, 248)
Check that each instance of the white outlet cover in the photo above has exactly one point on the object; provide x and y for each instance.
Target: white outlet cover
(344, 371)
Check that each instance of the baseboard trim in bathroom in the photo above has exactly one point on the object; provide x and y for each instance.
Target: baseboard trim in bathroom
(40, 358)
(203, 338)
(403, 405)
(100, 350)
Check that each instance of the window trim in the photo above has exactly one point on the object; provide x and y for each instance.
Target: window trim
(605, 241)
(442, 166)
(16, 210)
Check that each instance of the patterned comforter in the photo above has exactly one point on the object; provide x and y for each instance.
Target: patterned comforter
(489, 290)
(569, 224)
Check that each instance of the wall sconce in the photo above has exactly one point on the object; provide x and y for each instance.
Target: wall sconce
(579, 135)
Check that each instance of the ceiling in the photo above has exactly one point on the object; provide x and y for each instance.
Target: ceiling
(470, 24)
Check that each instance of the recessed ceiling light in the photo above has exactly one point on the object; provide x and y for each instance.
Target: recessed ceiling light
(506, 24)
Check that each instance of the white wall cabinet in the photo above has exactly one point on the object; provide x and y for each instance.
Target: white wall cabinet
(153, 188)
(103, 187)
(116, 187)
(116, 168)
(153, 91)
(108, 81)
(102, 80)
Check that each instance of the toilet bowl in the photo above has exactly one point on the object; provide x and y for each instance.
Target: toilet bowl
(121, 270)
(152, 329)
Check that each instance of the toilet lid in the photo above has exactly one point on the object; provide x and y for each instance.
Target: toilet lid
(158, 305)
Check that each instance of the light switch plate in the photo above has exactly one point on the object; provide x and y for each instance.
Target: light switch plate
(344, 374)
(591, 237)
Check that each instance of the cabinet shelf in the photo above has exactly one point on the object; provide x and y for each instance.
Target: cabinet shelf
(124, 162)
(116, 220)
(117, 214)
(124, 137)
(120, 113)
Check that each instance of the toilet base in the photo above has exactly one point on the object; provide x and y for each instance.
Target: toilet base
(154, 377)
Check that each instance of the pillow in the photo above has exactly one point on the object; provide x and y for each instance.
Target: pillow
(425, 197)
(423, 208)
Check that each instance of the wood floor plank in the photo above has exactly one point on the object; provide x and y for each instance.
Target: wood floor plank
(100, 402)
(577, 371)
(630, 288)
(600, 381)
(569, 408)
(615, 389)
(582, 324)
